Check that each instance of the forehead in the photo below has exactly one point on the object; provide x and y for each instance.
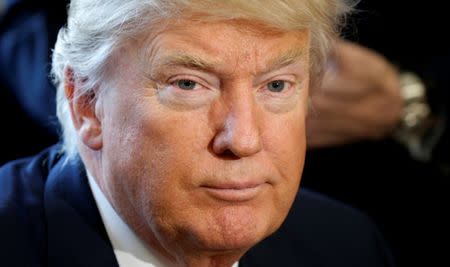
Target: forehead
(224, 43)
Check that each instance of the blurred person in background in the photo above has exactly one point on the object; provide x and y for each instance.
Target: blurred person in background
(28, 31)
(379, 129)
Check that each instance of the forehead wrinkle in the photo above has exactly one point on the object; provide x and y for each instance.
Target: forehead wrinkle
(159, 55)
(205, 59)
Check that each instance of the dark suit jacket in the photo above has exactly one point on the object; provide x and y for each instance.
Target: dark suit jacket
(48, 217)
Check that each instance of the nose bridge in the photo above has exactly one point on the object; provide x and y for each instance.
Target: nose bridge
(241, 128)
(241, 117)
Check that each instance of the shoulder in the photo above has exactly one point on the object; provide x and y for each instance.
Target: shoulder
(22, 226)
(323, 210)
(330, 224)
(24, 178)
(320, 231)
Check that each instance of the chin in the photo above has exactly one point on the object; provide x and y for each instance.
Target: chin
(231, 242)
(234, 228)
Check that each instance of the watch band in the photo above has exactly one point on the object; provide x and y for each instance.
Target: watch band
(417, 128)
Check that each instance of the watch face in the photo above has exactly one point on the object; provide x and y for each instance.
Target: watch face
(412, 87)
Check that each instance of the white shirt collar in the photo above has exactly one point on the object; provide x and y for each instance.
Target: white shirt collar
(129, 249)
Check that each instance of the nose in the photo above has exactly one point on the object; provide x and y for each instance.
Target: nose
(239, 132)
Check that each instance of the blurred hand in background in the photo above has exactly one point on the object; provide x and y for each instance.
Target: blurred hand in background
(359, 98)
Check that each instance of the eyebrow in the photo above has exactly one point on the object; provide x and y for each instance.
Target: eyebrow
(285, 59)
(188, 61)
(195, 62)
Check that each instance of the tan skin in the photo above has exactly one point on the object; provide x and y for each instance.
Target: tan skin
(199, 140)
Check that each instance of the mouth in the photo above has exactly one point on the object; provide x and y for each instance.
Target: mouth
(234, 192)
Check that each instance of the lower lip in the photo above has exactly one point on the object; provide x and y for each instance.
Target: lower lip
(234, 195)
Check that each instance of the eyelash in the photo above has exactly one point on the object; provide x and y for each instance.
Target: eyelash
(288, 87)
(175, 83)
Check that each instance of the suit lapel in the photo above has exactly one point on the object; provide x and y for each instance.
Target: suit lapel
(76, 235)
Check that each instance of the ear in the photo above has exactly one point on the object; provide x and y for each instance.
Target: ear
(82, 110)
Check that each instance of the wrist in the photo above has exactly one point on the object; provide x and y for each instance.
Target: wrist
(418, 130)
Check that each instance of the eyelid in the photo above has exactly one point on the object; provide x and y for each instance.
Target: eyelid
(292, 86)
(289, 79)
(287, 83)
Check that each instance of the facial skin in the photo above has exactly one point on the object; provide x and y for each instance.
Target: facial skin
(199, 141)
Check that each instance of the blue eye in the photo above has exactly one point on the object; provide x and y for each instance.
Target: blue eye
(276, 86)
(186, 84)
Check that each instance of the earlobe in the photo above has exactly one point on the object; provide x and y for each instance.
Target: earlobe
(82, 110)
(91, 134)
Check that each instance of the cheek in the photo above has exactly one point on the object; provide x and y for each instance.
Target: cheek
(287, 146)
(286, 141)
(158, 144)
(150, 156)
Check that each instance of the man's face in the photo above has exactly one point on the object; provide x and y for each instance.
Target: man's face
(203, 134)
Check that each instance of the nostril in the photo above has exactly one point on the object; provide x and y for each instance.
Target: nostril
(228, 154)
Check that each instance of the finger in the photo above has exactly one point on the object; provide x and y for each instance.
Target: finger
(345, 88)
